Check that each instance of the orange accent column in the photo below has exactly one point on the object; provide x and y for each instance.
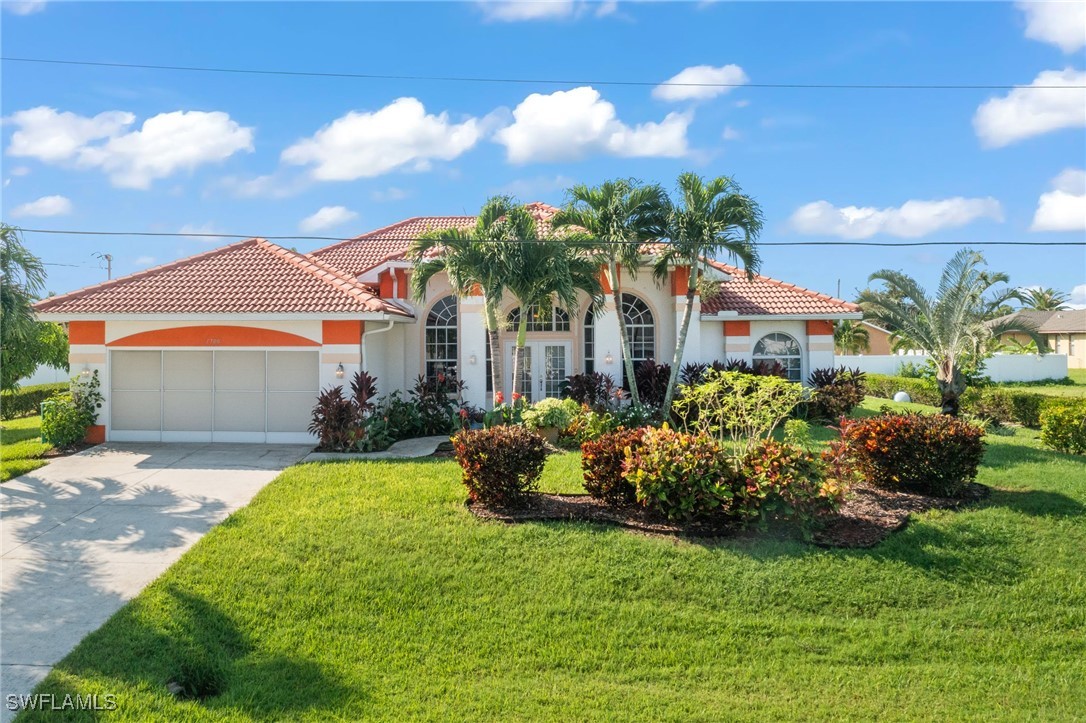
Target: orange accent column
(401, 283)
(680, 280)
(86, 332)
(384, 285)
(736, 328)
(819, 327)
(341, 331)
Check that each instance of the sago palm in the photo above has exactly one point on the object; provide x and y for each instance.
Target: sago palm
(955, 325)
(710, 219)
(619, 216)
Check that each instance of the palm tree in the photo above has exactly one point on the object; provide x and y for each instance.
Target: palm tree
(544, 271)
(471, 260)
(1043, 299)
(620, 216)
(955, 326)
(850, 337)
(22, 280)
(713, 217)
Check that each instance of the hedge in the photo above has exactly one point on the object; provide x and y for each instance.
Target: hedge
(1063, 425)
(26, 401)
(1001, 405)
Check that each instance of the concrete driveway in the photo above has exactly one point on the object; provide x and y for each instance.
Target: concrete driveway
(84, 534)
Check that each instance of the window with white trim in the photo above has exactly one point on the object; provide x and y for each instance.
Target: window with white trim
(781, 348)
(540, 318)
(442, 351)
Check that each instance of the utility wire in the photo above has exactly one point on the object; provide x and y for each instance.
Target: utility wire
(578, 242)
(543, 81)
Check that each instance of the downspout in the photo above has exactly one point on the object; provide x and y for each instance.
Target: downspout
(367, 333)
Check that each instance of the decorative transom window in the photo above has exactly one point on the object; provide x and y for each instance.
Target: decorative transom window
(441, 347)
(777, 347)
(541, 318)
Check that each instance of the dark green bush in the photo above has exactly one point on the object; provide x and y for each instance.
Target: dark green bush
(602, 460)
(999, 404)
(26, 402)
(1063, 425)
(838, 392)
(501, 464)
(930, 453)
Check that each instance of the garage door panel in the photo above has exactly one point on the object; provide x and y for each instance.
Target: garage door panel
(136, 370)
(136, 410)
(239, 371)
(239, 411)
(186, 370)
(186, 411)
(293, 371)
(290, 411)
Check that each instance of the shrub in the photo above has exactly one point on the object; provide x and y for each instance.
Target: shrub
(837, 392)
(401, 417)
(438, 403)
(784, 480)
(602, 462)
(597, 390)
(335, 420)
(682, 476)
(652, 380)
(364, 391)
(555, 413)
(1006, 406)
(26, 401)
(66, 416)
(921, 391)
(744, 407)
(501, 465)
(1063, 425)
(935, 454)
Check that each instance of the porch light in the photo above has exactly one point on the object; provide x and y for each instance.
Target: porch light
(86, 371)
(339, 372)
(608, 359)
(473, 360)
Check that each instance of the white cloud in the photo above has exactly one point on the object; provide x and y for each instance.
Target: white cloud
(1064, 207)
(165, 144)
(205, 233)
(700, 82)
(910, 220)
(44, 206)
(512, 11)
(272, 185)
(1026, 112)
(400, 135)
(731, 134)
(570, 124)
(1061, 23)
(20, 171)
(530, 189)
(144, 261)
(24, 7)
(325, 218)
(742, 103)
(389, 194)
(1078, 297)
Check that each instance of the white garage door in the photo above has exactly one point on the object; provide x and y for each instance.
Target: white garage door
(219, 396)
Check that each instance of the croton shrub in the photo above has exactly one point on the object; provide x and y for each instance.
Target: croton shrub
(602, 460)
(1063, 425)
(501, 464)
(682, 476)
(934, 454)
(785, 480)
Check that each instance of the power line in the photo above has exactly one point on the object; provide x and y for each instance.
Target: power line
(887, 244)
(542, 81)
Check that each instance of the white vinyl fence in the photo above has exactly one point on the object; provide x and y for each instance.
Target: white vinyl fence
(1001, 367)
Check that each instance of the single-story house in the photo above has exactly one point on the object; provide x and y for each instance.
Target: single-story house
(234, 344)
(1064, 332)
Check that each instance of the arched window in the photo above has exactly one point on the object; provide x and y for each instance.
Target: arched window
(640, 328)
(589, 342)
(442, 351)
(777, 347)
(541, 318)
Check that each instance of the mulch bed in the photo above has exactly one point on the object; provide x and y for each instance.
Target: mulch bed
(67, 451)
(866, 518)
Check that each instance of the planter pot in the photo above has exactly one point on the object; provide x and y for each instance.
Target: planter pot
(549, 433)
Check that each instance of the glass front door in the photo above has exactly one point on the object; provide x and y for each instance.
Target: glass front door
(544, 371)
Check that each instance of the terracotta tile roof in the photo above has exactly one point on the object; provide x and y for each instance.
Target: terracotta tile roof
(363, 252)
(763, 295)
(254, 276)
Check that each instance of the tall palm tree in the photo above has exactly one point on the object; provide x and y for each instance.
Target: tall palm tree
(955, 326)
(22, 281)
(850, 337)
(545, 271)
(470, 258)
(1043, 299)
(620, 216)
(711, 218)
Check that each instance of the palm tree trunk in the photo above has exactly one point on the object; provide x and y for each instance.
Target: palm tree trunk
(493, 338)
(680, 346)
(518, 356)
(951, 385)
(624, 339)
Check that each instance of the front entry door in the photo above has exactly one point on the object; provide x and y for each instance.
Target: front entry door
(546, 366)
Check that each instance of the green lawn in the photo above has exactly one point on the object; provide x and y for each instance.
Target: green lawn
(21, 447)
(365, 590)
(1059, 390)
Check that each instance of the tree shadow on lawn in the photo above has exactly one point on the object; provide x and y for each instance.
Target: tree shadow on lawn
(174, 636)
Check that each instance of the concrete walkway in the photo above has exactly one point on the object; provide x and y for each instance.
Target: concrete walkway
(85, 534)
(404, 449)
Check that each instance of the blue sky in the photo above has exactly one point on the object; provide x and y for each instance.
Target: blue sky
(151, 150)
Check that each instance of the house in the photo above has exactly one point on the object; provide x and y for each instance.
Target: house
(1064, 333)
(234, 344)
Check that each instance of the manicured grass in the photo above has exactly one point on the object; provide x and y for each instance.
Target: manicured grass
(1059, 390)
(21, 447)
(366, 590)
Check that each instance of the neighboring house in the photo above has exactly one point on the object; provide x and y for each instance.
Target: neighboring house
(1064, 333)
(235, 343)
